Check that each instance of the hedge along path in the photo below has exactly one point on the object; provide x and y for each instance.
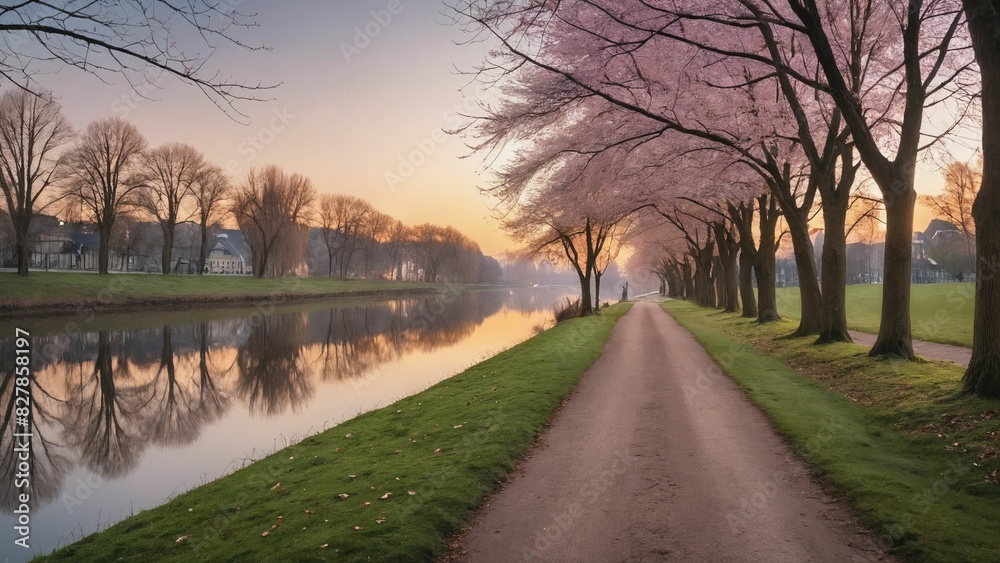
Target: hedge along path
(389, 485)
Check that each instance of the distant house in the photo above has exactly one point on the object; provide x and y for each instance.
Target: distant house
(224, 258)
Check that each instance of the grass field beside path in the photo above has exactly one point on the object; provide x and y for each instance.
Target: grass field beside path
(941, 312)
(893, 438)
(389, 485)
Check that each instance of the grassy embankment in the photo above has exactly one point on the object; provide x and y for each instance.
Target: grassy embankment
(435, 454)
(40, 287)
(941, 312)
(894, 438)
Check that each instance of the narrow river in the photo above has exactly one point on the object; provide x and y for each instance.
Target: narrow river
(129, 411)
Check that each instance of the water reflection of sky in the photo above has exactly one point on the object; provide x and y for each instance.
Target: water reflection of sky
(126, 419)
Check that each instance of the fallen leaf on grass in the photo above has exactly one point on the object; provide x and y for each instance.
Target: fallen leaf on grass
(358, 528)
(380, 520)
(385, 496)
(343, 496)
(276, 485)
(411, 493)
(181, 539)
(266, 533)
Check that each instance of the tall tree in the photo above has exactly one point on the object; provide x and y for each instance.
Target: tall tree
(100, 168)
(32, 128)
(211, 191)
(927, 63)
(349, 215)
(268, 205)
(983, 375)
(166, 175)
(373, 234)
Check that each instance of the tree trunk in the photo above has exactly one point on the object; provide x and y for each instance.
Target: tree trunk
(767, 300)
(719, 285)
(728, 249)
(746, 286)
(982, 377)
(834, 271)
(688, 280)
(597, 290)
(811, 312)
(23, 248)
(168, 249)
(103, 250)
(203, 251)
(704, 288)
(894, 338)
(586, 307)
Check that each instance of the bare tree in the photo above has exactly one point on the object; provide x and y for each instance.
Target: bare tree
(374, 233)
(395, 245)
(434, 245)
(269, 205)
(326, 219)
(105, 38)
(166, 174)
(344, 218)
(961, 185)
(31, 129)
(210, 191)
(99, 168)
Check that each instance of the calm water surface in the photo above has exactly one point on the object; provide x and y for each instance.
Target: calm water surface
(124, 419)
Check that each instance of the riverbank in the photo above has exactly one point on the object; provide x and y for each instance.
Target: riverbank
(893, 438)
(74, 293)
(389, 485)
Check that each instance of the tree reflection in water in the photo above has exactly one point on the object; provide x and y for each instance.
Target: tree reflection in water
(100, 398)
(212, 400)
(103, 412)
(272, 370)
(171, 416)
(49, 464)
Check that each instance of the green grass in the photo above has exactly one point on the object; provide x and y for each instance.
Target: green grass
(892, 437)
(41, 288)
(941, 312)
(449, 445)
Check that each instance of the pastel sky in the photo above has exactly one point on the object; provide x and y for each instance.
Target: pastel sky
(343, 117)
(358, 114)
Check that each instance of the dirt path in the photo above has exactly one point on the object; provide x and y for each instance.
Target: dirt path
(930, 350)
(639, 466)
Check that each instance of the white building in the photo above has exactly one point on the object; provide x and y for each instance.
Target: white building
(223, 258)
